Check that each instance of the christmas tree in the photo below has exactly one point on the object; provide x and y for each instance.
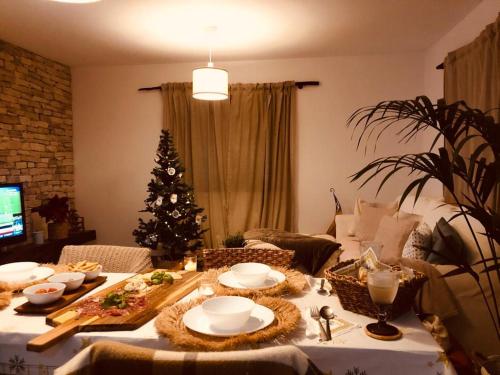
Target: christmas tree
(176, 223)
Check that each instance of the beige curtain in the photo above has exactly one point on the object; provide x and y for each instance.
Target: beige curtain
(472, 74)
(238, 154)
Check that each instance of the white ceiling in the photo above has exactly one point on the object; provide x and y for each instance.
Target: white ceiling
(159, 31)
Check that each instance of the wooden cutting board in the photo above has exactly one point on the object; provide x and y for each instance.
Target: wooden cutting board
(65, 300)
(157, 298)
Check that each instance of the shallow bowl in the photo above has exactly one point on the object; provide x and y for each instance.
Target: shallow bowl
(72, 280)
(18, 271)
(44, 298)
(228, 312)
(91, 275)
(251, 274)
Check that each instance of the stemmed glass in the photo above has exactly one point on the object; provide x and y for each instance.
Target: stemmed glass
(383, 287)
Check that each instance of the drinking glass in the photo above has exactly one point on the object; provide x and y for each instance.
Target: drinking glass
(383, 287)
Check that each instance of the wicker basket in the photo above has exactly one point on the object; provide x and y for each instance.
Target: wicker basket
(217, 258)
(354, 296)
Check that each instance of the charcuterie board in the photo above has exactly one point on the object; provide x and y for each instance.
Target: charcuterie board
(68, 322)
(65, 300)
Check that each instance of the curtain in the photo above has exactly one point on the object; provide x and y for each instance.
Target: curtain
(472, 74)
(239, 154)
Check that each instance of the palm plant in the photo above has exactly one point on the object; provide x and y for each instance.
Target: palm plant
(458, 125)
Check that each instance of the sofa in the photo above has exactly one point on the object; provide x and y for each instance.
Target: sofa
(470, 323)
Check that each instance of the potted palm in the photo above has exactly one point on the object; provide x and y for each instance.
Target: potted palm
(456, 126)
(56, 212)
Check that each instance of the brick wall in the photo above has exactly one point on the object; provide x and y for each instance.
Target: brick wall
(36, 126)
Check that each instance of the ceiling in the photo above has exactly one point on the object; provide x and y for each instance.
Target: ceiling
(159, 31)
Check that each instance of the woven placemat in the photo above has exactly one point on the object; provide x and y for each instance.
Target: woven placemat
(7, 289)
(295, 283)
(169, 323)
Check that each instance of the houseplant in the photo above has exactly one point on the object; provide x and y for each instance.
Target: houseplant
(457, 126)
(55, 211)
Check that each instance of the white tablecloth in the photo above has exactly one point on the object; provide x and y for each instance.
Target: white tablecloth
(416, 353)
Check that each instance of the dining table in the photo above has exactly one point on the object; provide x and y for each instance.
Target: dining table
(351, 353)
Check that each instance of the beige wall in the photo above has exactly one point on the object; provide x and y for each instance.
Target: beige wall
(464, 32)
(116, 131)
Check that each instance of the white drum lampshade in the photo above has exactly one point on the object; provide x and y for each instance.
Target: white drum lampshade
(210, 83)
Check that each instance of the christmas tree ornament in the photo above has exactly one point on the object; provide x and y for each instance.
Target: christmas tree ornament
(171, 171)
(176, 214)
(159, 201)
(173, 198)
(198, 219)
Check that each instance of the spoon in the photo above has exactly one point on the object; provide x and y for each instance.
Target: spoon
(326, 313)
(322, 289)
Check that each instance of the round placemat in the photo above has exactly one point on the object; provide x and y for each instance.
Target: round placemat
(169, 323)
(295, 283)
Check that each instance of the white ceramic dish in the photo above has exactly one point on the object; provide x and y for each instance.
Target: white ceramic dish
(228, 312)
(196, 320)
(274, 278)
(72, 280)
(91, 275)
(251, 274)
(44, 298)
(18, 271)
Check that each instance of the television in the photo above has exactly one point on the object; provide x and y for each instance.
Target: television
(12, 218)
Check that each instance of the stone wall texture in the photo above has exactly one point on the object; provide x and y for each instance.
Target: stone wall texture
(36, 126)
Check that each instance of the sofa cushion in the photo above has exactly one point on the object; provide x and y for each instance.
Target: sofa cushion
(447, 245)
(367, 216)
(393, 233)
(420, 238)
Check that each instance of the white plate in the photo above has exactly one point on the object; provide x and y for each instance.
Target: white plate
(274, 278)
(197, 321)
(39, 273)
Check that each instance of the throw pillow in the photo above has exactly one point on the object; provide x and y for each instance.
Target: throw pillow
(393, 233)
(421, 237)
(448, 245)
(367, 216)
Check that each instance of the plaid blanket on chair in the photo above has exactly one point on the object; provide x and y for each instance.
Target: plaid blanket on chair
(107, 357)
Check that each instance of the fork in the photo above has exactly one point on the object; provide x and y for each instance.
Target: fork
(315, 315)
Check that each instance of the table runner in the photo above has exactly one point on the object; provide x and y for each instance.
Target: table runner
(415, 354)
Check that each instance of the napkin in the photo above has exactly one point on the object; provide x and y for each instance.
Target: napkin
(338, 326)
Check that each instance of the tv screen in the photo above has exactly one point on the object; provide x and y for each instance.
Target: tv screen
(12, 222)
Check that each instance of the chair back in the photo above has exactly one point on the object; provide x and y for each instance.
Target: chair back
(217, 258)
(108, 357)
(112, 258)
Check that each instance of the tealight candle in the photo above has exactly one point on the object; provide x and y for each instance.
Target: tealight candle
(190, 263)
(206, 288)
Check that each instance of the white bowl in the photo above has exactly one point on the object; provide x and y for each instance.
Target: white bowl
(251, 274)
(18, 271)
(72, 280)
(91, 275)
(229, 312)
(44, 298)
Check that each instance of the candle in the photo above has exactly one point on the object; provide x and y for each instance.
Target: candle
(206, 288)
(190, 265)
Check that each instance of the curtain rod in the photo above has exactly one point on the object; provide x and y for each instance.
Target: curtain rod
(299, 85)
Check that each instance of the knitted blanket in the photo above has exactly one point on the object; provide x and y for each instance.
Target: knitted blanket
(310, 252)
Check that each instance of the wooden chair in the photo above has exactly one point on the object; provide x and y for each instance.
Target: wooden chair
(108, 357)
(112, 258)
(217, 258)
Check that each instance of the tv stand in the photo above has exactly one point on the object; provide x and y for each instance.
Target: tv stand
(48, 252)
